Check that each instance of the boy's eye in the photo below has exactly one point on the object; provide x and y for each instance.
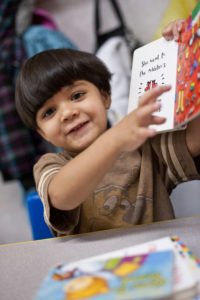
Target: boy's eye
(48, 113)
(77, 96)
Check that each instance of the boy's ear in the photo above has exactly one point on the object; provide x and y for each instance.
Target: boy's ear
(106, 99)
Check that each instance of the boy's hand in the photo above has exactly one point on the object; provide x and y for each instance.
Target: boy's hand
(173, 30)
(134, 129)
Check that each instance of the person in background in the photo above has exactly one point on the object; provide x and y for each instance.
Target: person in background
(25, 30)
(104, 178)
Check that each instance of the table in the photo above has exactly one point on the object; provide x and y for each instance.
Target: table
(24, 265)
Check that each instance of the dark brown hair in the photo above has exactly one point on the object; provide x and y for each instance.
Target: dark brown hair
(44, 74)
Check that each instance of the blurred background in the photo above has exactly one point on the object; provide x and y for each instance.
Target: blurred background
(75, 20)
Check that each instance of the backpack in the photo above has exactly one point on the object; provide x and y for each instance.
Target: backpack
(115, 48)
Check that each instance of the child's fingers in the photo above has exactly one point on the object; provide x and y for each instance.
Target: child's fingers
(145, 115)
(172, 30)
(168, 31)
(145, 133)
(176, 31)
(180, 24)
(153, 94)
(157, 120)
(179, 27)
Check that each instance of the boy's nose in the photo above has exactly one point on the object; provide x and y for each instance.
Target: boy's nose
(69, 112)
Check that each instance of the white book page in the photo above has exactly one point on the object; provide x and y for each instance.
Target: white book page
(155, 64)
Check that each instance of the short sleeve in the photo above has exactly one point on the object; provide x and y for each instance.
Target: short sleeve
(176, 163)
(61, 222)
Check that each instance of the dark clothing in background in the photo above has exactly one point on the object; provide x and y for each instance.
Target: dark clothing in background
(19, 147)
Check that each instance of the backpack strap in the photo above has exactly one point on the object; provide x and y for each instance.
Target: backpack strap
(98, 18)
(121, 30)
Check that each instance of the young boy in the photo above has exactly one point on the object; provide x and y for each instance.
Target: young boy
(104, 178)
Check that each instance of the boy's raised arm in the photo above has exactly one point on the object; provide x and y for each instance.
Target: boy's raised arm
(84, 172)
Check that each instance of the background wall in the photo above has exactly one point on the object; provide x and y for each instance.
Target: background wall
(75, 18)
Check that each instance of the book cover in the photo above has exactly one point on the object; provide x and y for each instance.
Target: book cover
(191, 267)
(176, 63)
(185, 273)
(145, 276)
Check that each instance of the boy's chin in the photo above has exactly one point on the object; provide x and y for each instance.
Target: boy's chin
(83, 143)
(78, 149)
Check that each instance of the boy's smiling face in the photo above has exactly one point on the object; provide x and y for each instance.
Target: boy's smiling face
(74, 117)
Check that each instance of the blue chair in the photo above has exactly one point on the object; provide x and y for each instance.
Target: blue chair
(35, 211)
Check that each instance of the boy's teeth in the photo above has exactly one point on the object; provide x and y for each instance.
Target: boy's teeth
(77, 127)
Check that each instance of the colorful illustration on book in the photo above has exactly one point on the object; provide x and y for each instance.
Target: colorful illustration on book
(150, 85)
(113, 278)
(168, 62)
(185, 250)
(187, 102)
(128, 274)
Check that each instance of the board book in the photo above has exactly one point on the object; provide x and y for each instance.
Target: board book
(169, 62)
(161, 269)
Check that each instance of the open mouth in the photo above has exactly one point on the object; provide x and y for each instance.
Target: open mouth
(78, 127)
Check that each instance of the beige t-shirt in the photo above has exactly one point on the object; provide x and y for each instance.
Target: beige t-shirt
(135, 190)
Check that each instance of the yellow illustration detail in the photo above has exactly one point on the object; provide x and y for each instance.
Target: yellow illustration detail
(180, 106)
(126, 268)
(85, 286)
